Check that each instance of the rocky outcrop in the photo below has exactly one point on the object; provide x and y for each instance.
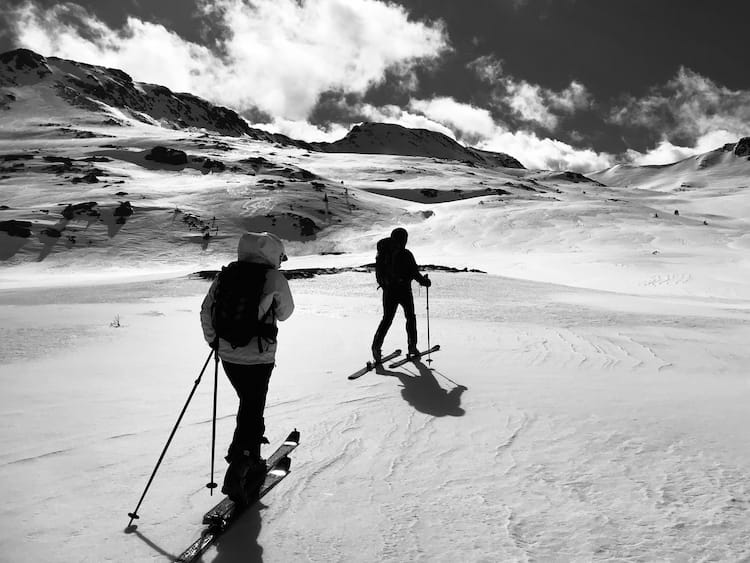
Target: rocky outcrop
(166, 155)
(22, 66)
(742, 148)
(15, 228)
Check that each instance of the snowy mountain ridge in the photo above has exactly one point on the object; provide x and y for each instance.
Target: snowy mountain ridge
(726, 163)
(113, 97)
(112, 93)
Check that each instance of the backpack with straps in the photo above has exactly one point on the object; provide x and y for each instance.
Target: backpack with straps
(236, 304)
(385, 273)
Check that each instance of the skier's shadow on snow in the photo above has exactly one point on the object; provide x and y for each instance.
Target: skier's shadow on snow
(425, 394)
(239, 544)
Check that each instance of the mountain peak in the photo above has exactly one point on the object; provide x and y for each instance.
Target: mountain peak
(22, 66)
(390, 138)
(23, 59)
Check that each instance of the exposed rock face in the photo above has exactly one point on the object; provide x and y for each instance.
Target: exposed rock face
(22, 66)
(166, 155)
(15, 228)
(388, 138)
(742, 148)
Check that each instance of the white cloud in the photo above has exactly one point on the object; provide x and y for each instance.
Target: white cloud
(573, 98)
(149, 52)
(304, 130)
(465, 119)
(666, 152)
(476, 127)
(399, 116)
(545, 153)
(277, 55)
(529, 102)
(690, 107)
(487, 67)
(543, 106)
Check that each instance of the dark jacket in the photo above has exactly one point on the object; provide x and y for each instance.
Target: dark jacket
(405, 269)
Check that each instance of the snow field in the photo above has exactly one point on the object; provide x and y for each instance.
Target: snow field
(593, 426)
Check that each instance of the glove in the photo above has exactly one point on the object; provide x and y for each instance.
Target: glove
(426, 282)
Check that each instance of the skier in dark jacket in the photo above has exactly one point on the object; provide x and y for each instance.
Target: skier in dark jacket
(396, 281)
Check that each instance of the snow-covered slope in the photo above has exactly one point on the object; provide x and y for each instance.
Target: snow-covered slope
(110, 93)
(725, 165)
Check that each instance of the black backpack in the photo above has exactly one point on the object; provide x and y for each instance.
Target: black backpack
(236, 302)
(385, 273)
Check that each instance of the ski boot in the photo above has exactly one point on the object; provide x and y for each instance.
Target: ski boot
(244, 477)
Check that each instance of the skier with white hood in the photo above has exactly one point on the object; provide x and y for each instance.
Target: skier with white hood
(238, 317)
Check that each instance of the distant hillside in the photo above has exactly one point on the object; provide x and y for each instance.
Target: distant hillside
(116, 98)
(389, 138)
(729, 163)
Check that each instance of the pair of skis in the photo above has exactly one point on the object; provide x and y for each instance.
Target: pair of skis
(221, 516)
(369, 366)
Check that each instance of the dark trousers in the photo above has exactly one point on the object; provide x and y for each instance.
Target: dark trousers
(251, 385)
(392, 298)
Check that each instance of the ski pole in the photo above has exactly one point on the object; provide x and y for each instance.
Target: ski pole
(212, 484)
(134, 515)
(449, 379)
(429, 356)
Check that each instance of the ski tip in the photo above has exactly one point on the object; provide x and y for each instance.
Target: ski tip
(293, 437)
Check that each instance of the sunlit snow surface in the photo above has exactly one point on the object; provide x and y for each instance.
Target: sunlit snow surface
(585, 432)
(589, 401)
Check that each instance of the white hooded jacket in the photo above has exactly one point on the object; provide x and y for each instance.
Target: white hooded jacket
(259, 248)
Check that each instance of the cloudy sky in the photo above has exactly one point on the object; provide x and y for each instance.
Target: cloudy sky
(576, 84)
